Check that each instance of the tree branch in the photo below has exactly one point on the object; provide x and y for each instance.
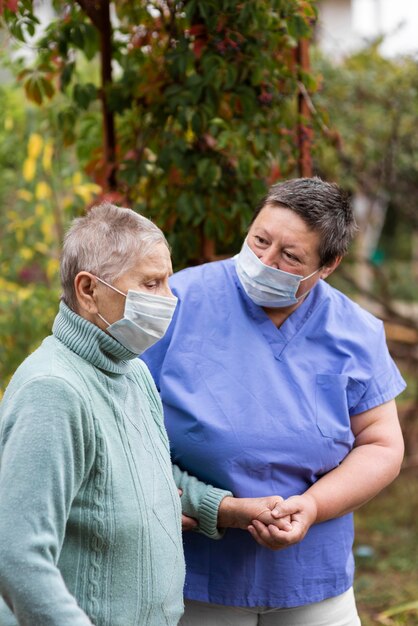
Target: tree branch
(98, 12)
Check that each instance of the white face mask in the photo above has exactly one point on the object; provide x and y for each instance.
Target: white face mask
(265, 285)
(145, 319)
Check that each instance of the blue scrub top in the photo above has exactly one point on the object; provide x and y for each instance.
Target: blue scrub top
(264, 411)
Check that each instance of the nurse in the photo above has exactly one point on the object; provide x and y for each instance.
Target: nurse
(275, 382)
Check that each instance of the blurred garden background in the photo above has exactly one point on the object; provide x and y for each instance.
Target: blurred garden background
(186, 112)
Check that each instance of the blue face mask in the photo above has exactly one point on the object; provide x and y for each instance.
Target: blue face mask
(145, 320)
(265, 285)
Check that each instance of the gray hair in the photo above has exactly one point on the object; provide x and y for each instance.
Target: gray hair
(108, 241)
(324, 207)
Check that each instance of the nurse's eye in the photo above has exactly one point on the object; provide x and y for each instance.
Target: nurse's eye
(261, 241)
(291, 257)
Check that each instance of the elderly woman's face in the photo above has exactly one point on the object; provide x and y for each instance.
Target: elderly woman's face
(281, 239)
(150, 275)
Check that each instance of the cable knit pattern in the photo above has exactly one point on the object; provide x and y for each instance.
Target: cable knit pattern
(99, 521)
(89, 511)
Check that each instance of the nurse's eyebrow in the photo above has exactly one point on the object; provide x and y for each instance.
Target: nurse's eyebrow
(260, 230)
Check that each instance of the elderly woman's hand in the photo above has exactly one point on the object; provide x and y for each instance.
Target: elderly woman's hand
(300, 510)
(240, 512)
(187, 523)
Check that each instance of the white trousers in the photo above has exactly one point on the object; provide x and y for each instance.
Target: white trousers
(338, 611)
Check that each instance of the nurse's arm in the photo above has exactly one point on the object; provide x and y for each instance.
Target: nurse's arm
(373, 463)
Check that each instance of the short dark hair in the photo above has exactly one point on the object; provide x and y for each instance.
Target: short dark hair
(324, 207)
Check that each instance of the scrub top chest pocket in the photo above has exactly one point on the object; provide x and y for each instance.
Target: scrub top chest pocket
(335, 395)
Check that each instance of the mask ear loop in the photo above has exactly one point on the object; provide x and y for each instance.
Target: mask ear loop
(114, 289)
(110, 286)
(103, 319)
(306, 277)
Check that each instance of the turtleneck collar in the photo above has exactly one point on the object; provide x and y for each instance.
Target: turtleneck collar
(90, 342)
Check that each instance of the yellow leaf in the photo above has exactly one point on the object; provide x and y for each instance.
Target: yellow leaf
(24, 194)
(67, 202)
(24, 293)
(26, 254)
(52, 268)
(43, 190)
(86, 192)
(77, 178)
(8, 123)
(8, 286)
(27, 223)
(29, 168)
(39, 210)
(190, 136)
(47, 229)
(34, 145)
(93, 187)
(42, 248)
(47, 156)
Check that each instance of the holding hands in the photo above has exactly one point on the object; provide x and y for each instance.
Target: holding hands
(273, 522)
(286, 524)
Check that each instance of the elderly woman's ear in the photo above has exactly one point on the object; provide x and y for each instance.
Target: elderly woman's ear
(85, 286)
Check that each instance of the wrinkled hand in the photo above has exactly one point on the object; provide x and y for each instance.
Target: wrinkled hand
(241, 512)
(301, 511)
(187, 523)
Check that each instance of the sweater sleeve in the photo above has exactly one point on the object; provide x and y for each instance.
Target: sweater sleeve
(43, 438)
(201, 501)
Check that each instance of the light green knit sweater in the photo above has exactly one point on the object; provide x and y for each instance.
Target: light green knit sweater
(89, 511)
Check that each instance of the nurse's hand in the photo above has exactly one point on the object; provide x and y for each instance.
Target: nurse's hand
(240, 512)
(300, 510)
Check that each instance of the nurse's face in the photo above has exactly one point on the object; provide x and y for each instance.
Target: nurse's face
(281, 239)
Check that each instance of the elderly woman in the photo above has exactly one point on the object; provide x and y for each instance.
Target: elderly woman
(274, 382)
(90, 519)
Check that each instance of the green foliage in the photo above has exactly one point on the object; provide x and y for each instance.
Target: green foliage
(204, 101)
(386, 580)
(215, 92)
(26, 315)
(203, 98)
(40, 190)
(373, 103)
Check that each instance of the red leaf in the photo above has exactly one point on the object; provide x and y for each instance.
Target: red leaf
(8, 4)
(198, 47)
(131, 155)
(114, 197)
(198, 30)
(274, 175)
(175, 177)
